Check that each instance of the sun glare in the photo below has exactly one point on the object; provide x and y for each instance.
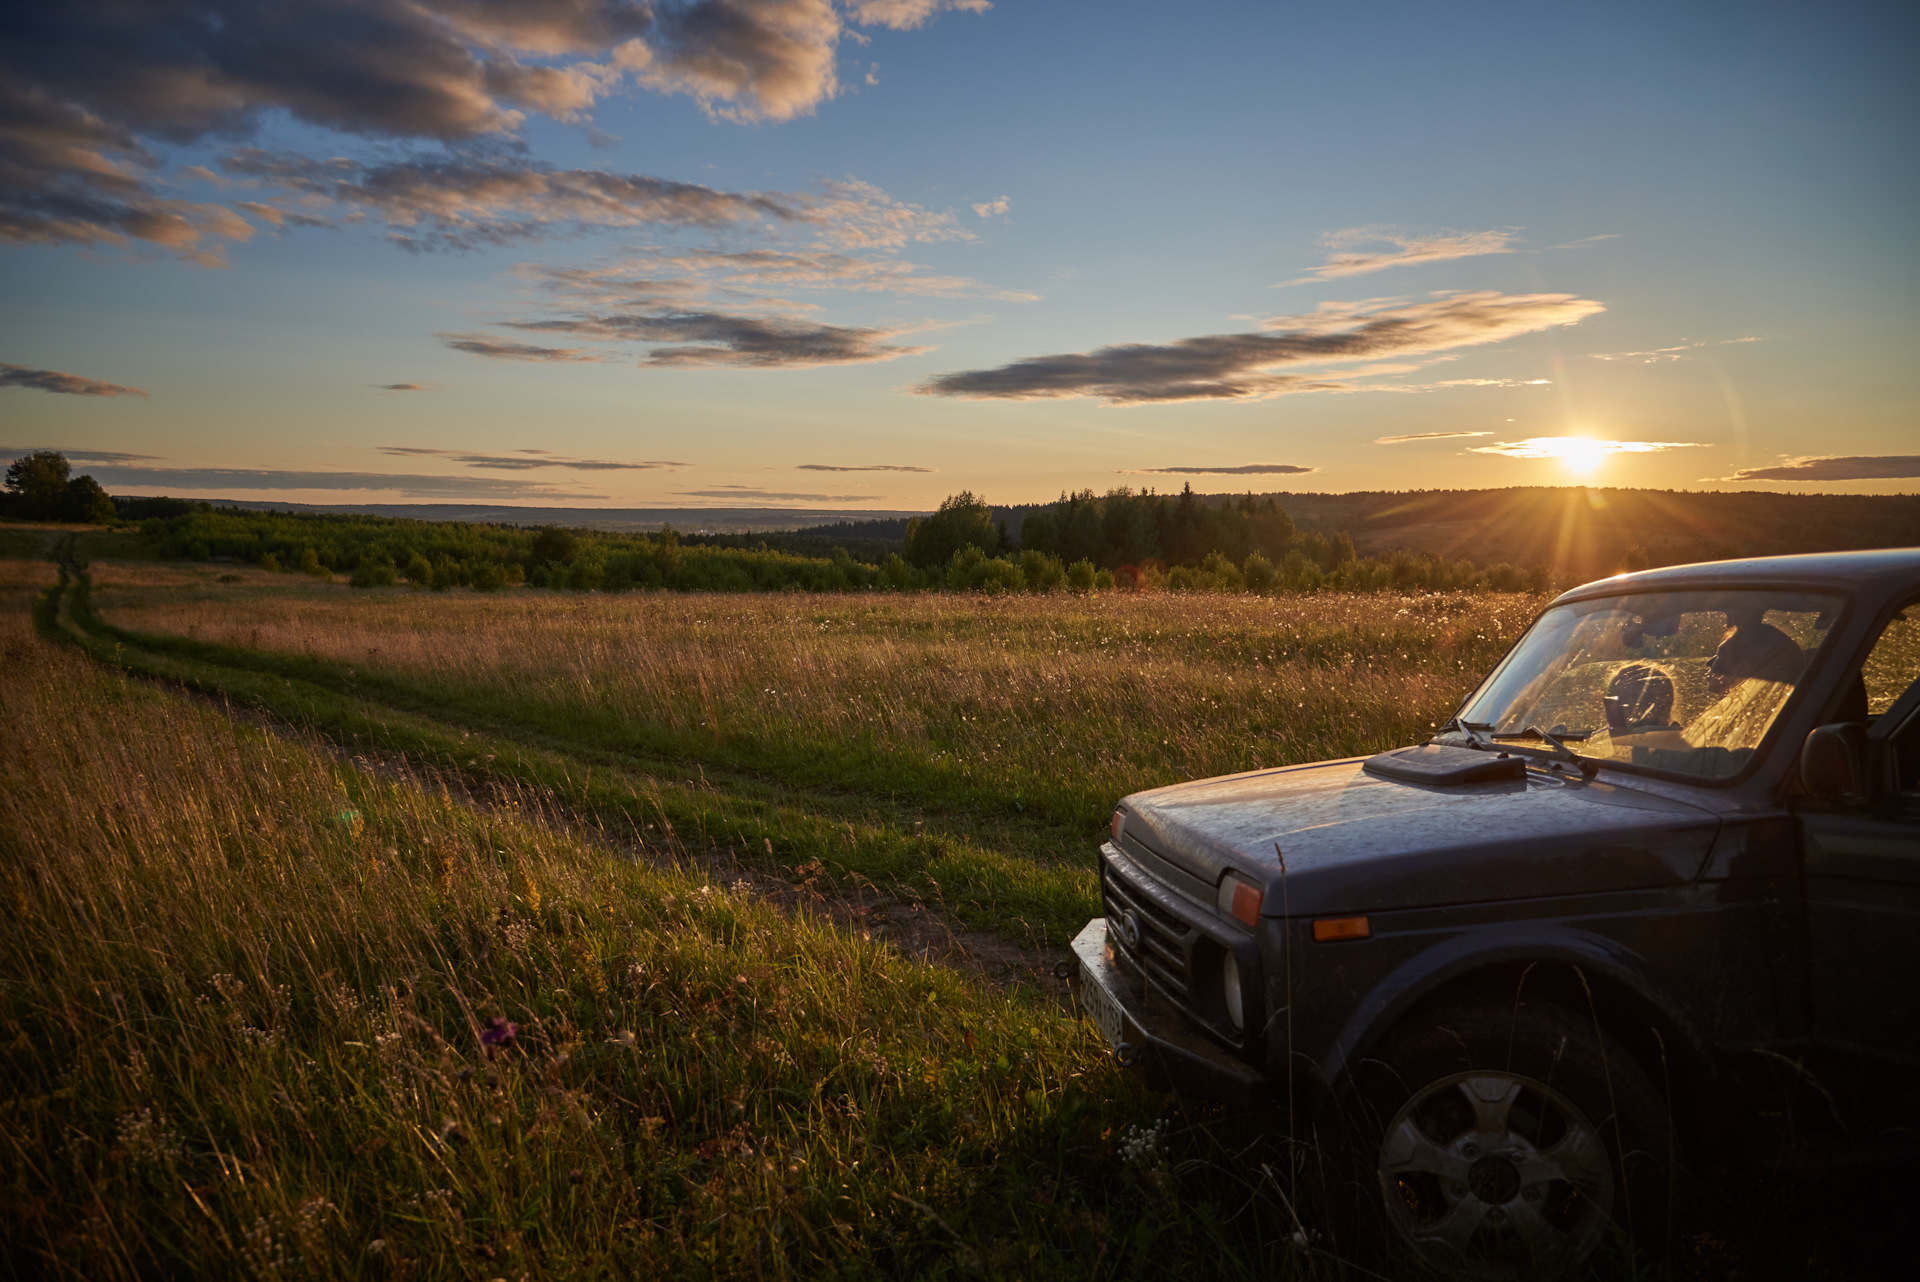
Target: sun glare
(1581, 455)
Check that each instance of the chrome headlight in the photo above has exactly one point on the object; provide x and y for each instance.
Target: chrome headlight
(1230, 990)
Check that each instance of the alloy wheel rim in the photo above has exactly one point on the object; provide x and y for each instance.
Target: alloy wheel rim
(1496, 1167)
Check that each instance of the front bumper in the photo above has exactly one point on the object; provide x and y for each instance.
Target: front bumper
(1155, 1038)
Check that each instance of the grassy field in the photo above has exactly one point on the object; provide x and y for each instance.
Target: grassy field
(970, 748)
(253, 1002)
(284, 863)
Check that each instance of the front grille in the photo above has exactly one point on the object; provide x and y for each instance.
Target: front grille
(1166, 943)
(1173, 953)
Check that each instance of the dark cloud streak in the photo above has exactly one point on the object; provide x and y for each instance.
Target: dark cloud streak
(868, 467)
(74, 454)
(506, 350)
(183, 479)
(1857, 467)
(1236, 366)
(715, 338)
(52, 380)
(531, 460)
(1244, 469)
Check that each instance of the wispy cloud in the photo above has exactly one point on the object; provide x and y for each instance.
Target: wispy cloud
(506, 350)
(52, 380)
(187, 480)
(1588, 242)
(996, 207)
(75, 454)
(1400, 247)
(864, 467)
(469, 200)
(529, 460)
(401, 387)
(1853, 467)
(477, 197)
(1243, 469)
(665, 277)
(1678, 352)
(906, 15)
(747, 493)
(1241, 366)
(712, 308)
(712, 338)
(1578, 447)
(1425, 436)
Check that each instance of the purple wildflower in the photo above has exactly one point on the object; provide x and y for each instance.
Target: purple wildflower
(498, 1034)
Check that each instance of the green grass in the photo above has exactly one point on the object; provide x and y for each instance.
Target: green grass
(1042, 893)
(246, 974)
(243, 997)
(970, 750)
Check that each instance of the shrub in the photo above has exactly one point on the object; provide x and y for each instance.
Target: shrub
(1299, 573)
(556, 544)
(419, 572)
(898, 573)
(1506, 577)
(1082, 576)
(310, 564)
(972, 570)
(270, 563)
(490, 576)
(373, 572)
(1042, 571)
(1258, 572)
(1225, 574)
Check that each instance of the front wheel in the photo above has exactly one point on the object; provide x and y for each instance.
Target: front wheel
(1509, 1141)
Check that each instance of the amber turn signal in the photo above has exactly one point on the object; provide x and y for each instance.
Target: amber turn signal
(1341, 928)
(1119, 822)
(1240, 900)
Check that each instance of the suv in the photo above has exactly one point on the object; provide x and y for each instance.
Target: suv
(1674, 833)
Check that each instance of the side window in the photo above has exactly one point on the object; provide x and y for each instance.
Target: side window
(1894, 664)
(1890, 674)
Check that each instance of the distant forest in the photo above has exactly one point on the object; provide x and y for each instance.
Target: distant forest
(1502, 540)
(959, 548)
(1573, 533)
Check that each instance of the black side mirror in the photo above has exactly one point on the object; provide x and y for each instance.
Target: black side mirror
(1833, 762)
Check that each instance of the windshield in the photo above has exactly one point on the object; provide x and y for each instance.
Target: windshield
(1687, 682)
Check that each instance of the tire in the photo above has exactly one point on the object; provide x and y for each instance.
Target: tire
(1510, 1140)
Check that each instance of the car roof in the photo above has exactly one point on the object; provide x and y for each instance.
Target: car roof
(1881, 570)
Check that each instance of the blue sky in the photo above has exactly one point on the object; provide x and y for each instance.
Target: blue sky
(730, 245)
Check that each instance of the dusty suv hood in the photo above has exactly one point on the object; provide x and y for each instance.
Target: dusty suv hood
(1356, 843)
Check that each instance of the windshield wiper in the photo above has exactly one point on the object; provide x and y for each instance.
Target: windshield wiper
(1588, 765)
(1472, 729)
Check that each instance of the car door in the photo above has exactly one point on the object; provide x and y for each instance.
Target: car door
(1861, 861)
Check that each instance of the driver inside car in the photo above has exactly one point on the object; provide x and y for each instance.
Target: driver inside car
(1752, 673)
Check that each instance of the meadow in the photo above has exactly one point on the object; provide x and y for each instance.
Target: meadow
(387, 934)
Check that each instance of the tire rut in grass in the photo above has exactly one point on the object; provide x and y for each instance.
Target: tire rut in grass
(980, 886)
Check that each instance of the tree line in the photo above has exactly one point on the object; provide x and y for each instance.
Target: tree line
(1125, 540)
(1143, 540)
(41, 486)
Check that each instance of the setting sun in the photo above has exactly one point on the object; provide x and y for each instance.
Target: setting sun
(1580, 455)
(1583, 456)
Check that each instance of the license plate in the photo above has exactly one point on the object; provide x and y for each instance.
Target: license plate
(1101, 1008)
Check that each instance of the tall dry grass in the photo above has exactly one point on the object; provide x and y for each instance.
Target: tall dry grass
(247, 995)
(1059, 703)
